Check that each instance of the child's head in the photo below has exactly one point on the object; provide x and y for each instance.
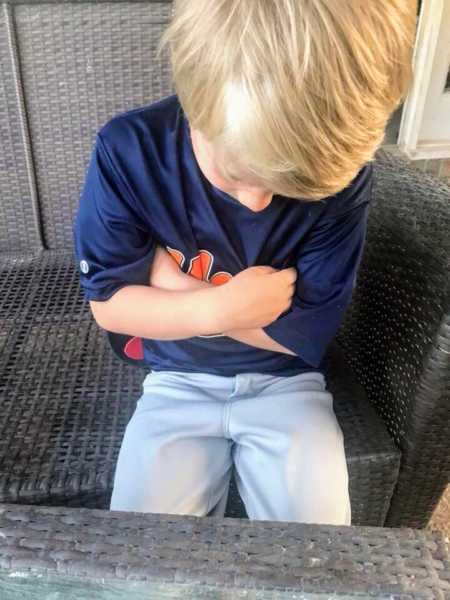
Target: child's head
(293, 95)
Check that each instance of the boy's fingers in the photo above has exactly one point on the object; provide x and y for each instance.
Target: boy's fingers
(289, 275)
(291, 290)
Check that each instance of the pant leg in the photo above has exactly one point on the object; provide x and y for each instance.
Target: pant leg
(174, 458)
(289, 454)
(219, 509)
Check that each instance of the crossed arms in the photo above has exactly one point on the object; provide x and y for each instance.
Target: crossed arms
(177, 306)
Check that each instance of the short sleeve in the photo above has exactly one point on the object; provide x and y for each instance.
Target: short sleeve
(327, 266)
(113, 247)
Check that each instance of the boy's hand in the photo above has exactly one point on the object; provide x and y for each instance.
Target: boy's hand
(253, 298)
(256, 297)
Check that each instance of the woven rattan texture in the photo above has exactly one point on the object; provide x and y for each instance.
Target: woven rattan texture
(396, 334)
(65, 397)
(17, 225)
(66, 400)
(81, 64)
(225, 552)
(66, 67)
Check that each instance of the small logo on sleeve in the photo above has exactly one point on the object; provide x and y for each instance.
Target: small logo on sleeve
(84, 266)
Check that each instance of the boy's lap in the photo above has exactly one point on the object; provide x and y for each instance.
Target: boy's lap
(193, 439)
(172, 407)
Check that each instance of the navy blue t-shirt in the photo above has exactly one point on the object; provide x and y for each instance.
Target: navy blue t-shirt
(144, 188)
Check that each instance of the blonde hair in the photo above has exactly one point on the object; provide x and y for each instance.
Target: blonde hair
(296, 93)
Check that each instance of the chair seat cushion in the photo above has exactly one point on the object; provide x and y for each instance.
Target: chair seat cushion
(66, 399)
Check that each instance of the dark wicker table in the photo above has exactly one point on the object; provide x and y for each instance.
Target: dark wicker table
(86, 554)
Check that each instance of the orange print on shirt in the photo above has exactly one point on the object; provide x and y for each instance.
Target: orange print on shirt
(200, 266)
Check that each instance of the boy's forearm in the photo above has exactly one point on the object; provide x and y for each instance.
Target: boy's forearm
(154, 313)
(259, 338)
(166, 276)
(253, 337)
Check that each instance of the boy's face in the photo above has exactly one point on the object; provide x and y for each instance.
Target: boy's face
(252, 196)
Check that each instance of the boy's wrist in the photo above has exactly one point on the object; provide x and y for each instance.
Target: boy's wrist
(209, 309)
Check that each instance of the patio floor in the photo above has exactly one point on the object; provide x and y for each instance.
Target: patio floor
(441, 516)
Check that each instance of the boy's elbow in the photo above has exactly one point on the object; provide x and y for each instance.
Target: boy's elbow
(99, 312)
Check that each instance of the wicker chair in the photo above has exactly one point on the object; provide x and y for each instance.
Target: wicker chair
(66, 397)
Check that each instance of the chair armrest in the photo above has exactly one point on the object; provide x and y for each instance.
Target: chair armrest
(46, 551)
(396, 332)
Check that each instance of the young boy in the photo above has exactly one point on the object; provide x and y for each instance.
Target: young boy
(224, 225)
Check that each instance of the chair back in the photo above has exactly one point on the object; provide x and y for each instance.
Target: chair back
(66, 68)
